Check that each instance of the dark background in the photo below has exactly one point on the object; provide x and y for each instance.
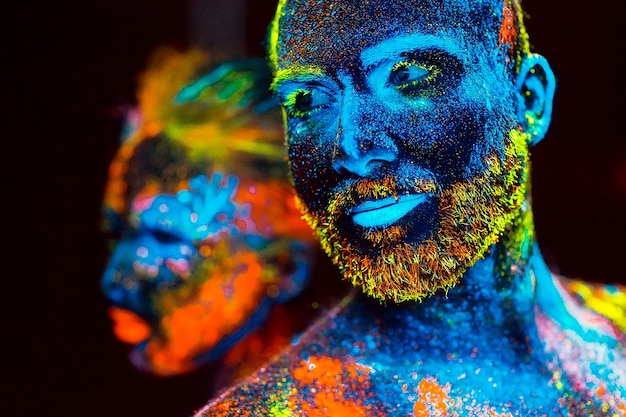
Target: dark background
(72, 62)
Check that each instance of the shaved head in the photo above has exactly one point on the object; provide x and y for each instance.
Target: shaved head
(496, 23)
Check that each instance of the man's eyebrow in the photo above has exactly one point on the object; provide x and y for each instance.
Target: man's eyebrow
(394, 47)
(299, 73)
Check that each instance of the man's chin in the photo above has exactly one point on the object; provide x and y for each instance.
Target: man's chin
(397, 271)
(384, 237)
(408, 263)
(416, 228)
(381, 262)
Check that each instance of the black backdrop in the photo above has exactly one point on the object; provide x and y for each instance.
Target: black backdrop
(71, 62)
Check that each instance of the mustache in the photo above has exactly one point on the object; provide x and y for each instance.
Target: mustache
(352, 192)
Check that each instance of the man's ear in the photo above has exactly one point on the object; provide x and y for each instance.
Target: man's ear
(535, 85)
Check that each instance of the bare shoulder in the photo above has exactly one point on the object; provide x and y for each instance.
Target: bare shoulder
(306, 376)
(607, 300)
(290, 386)
(261, 394)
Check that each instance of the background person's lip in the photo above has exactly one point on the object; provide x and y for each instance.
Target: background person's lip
(128, 326)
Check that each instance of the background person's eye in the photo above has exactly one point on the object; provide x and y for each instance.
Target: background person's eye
(407, 73)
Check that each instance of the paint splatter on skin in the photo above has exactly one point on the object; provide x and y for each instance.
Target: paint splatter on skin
(608, 300)
(389, 363)
(409, 125)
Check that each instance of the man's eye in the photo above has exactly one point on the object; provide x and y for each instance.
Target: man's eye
(304, 102)
(405, 74)
(426, 74)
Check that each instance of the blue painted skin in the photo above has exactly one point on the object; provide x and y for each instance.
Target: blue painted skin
(164, 235)
(415, 106)
(195, 214)
(422, 90)
(168, 227)
(384, 212)
(397, 127)
(178, 251)
(138, 267)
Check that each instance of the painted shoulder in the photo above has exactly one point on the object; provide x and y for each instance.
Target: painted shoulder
(580, 330)
(607, 300)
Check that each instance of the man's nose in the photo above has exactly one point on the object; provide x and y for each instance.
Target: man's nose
(365, 157)
(362, 144)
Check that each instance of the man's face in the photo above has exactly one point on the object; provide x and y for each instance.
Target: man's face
(402, 136)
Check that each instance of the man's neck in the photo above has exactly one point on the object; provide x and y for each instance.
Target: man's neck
(494, 298)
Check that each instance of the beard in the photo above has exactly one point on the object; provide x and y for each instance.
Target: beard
(391, 263)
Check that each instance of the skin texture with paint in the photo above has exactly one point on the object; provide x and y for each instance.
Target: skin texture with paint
(409, 128)
(209, 244)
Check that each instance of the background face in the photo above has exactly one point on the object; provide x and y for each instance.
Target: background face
(179, 314)
(207, 236)
(60, 339)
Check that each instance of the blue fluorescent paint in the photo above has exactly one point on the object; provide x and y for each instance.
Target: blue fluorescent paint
(502, 339)
(191, 243)
(385, 211)
(137, 266)
(193, 214)
(537, 84)
(392, 49)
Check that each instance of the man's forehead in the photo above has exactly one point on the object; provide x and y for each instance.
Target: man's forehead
(330, 32)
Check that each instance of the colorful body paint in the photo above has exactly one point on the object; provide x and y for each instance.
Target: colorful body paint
(409, 126)
(203, 260)
(430, 359)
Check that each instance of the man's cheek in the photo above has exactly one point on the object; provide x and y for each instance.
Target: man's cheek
(441, 141)
(309, 169)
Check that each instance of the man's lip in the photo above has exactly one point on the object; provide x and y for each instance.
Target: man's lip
(386, 211)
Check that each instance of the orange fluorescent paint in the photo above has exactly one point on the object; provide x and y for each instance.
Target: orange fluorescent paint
(508, 32)
(331, 404)
(333, 380)
(221, 304)
(274, 210)
(129, 327)
(433, 400)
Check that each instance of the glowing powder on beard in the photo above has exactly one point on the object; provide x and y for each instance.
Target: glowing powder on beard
(474, 214)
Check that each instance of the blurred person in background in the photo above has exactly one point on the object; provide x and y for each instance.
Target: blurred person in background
(207, 244)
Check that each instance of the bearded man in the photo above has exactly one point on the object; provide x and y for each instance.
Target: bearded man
(409, 125)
